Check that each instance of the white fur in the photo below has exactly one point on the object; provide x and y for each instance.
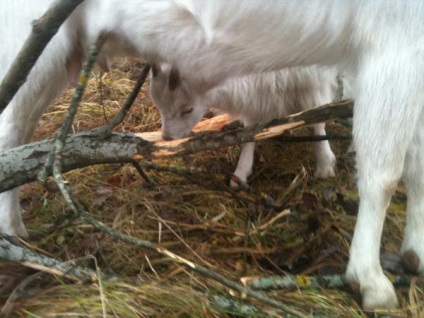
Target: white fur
(252, 99)
(381, 41)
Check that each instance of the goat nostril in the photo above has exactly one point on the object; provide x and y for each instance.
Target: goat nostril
(166, 137)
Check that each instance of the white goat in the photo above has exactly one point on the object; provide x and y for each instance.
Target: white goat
(252, 99)
(382, 41)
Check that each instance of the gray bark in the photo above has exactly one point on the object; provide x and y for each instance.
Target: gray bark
(22, 164)
(42, 31)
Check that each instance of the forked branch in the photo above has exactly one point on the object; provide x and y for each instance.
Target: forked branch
(22, 164)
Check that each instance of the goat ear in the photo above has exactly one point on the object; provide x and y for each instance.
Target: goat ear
(174, 79)
(155, 69)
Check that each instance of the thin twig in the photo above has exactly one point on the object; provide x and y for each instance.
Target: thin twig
(76, 99)
(174, 168)
(178, 259)
(119, 117)
(257, 197)
(340, 89)
(101, 288)
(79, 209)
(244, 291)
(312, 138)
(237, 307)
(142, 173)
(17, 293)
(55, 157)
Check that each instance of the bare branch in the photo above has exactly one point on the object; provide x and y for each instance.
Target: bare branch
(60, 139)
(292, 282)
(42, 31)
(119, 117)
(21, 165)
(20, 254)
(180, 260)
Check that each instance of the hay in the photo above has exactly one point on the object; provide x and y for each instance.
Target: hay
(193, 213)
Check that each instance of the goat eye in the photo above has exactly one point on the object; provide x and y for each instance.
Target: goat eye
(186, 112)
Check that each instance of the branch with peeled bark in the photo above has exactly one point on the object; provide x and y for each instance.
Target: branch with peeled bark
(22, 164)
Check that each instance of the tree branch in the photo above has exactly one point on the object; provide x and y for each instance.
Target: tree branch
(20, 254)
(60, 140)
(180, 260)
(43, 30)
(291, 282)
(21, 165)
(119, 117)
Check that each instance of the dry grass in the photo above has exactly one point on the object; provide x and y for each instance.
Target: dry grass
(195, 215)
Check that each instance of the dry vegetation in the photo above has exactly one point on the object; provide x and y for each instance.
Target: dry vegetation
(195, 215)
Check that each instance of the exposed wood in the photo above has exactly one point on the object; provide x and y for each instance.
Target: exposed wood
(208, 125)
(22, 164)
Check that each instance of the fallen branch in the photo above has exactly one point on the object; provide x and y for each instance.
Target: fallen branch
(16, 253)
(61, 137)
(174, 168)
(244, 291)
(43, 30)
(78, 208)
(257, 132)
(22, 164)
(313, 138)
(290, 282)
(239, 308)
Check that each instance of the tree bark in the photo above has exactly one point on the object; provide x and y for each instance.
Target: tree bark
(20, 254)
(43, 30)
(22, 164)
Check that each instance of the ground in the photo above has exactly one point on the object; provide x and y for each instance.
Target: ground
(195, 215)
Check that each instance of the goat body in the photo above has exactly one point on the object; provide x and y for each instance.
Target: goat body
(252, 99)
(380, 41)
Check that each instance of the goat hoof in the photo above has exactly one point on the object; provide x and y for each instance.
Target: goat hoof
(376, 289)
(237, 183)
